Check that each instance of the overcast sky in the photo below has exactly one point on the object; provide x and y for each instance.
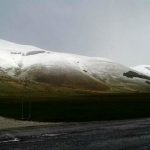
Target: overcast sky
(116, 29)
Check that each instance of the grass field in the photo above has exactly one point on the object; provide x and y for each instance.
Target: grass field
(76, 108)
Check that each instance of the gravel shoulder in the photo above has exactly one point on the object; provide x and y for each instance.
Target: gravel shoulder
(6, 123)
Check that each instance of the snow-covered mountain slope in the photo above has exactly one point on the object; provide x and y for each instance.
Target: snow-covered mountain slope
(143, 69)
(25, 62)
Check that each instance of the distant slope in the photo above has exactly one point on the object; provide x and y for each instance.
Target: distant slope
(143, 69)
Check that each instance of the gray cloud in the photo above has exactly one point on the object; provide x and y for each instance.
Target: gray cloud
(116, 29)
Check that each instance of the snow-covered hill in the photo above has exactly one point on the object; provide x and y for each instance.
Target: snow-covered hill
(143, 69)
(25, 62)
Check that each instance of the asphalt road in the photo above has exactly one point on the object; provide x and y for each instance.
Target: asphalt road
(108, 135)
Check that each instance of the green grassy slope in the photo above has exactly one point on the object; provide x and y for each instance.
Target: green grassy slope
(37, 101)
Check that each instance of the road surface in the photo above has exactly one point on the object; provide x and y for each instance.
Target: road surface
(107, 135)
